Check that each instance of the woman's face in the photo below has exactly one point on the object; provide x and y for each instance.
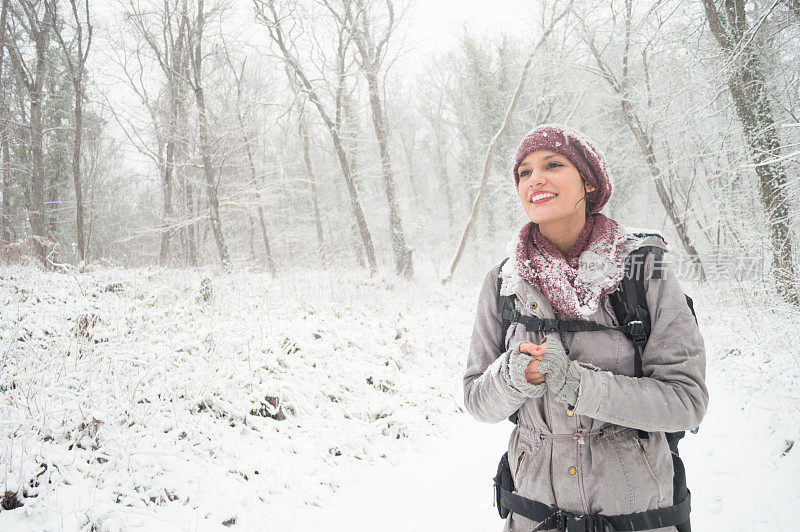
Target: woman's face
(544, 173)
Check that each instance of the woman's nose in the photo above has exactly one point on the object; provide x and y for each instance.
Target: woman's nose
(536, 179)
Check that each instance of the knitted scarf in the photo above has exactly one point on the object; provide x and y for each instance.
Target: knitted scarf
(574, 284)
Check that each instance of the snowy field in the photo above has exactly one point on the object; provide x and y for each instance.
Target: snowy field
(183, 400)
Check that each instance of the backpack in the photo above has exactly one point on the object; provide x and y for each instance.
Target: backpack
(630, 308)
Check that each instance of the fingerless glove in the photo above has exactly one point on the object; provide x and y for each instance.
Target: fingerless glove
(513, 370)
(563, 375)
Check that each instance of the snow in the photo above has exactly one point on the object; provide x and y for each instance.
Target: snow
(138, 399)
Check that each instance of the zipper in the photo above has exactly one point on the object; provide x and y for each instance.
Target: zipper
(650, 470)
(519, 463)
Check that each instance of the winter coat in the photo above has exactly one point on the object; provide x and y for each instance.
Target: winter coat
(616, 472)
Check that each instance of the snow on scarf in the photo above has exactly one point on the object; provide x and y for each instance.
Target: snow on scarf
(574, 285)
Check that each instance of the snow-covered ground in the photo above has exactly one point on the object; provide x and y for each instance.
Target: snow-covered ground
(155, 400)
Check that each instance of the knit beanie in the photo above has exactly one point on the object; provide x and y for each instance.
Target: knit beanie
(576, 147)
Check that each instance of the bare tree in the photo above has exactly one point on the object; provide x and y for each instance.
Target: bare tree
(747, 85)
(35, 21)
(267, 13)
(77, 70)
(173, 64)
(5, 178)
(196, 52)
(436, 82)
(163, 36)
(359, 17)
(621, 88)
(238, 75)
(312, 180)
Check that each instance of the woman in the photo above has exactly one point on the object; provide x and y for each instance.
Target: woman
(590, 437)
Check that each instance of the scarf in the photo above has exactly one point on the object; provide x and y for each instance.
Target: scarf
(574, 284)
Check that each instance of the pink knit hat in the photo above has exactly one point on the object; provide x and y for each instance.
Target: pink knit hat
(575, 146)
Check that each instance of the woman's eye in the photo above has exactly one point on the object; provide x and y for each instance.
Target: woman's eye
(554, 164)
(525, 173)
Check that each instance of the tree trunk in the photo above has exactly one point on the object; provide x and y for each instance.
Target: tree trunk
(5, 182)
(409, 150)
(37, 214)
(313, 182)
(257, 195)
(5, 187)
(751, 100)
(76, 162)
(3, 16)
(444, 180)
(208, 170)
(183, 172)
(169, 167)
(76, 69)
(402, 256)
(166, 191)
(273, 23)
(371, 57)
(37, 31)
(191, 224)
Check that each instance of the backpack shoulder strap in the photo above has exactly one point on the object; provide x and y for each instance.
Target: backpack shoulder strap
(630, 300)
(507, 312)
(505, 306)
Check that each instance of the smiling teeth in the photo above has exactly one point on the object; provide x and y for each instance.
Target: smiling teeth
(542, 196)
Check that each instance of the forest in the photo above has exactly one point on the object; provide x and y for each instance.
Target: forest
(160, 133)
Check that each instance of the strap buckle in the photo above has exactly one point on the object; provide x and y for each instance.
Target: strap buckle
(561, 520)
(636, 330)
(548, 325)
(586, 523)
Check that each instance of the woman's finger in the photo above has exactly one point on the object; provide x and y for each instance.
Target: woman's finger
(533, 349)
(535, 378)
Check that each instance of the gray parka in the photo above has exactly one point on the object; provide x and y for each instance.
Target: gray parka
(612, 473)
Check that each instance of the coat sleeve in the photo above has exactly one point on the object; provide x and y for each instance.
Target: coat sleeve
(487, 395)
(672, 396)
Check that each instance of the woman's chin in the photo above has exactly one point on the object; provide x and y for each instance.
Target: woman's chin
(539, 219)
(546, 218)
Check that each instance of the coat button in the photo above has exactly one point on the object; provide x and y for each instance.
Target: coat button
(570, 413)
(533, 305)
(566, 351)
(572, 470)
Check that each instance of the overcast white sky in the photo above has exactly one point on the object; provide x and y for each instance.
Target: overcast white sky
(435, 24)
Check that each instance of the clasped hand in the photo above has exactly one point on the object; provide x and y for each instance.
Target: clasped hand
(532, 374)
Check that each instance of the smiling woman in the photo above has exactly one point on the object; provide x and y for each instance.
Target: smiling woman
(591, 443)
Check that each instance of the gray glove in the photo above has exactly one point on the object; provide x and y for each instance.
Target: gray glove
(513, 370)
(563, 374)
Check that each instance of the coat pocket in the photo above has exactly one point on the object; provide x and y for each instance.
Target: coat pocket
(648, 464)
(522, 458)
(516, 458)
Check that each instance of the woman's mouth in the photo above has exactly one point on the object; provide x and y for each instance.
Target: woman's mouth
(542, 197)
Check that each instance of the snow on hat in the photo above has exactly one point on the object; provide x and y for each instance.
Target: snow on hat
(576, 147)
